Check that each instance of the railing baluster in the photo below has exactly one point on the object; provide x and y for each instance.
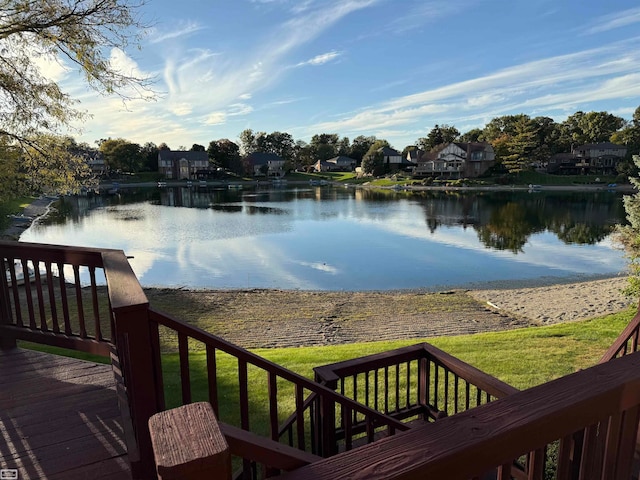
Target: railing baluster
(300, 416)
(436, 391)
(243, 384)
(565, 458)
(376, 391)
(28, 294)
(423, 382)
(272, 387)
(52, 299)
(185, 376)
(456, 393)
(154, 339)
(355, 395)
(467, 401)
(78, 286)
(408, 389)
(627, 447)
(386, 389)
(397, 388)
(212, 375)
(348, 431)
(535, 465)
(94, 301)
(65, 301)
(446, 391)
(38, 285)
(366, 388)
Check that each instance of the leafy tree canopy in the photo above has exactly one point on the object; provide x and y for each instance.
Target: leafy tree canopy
(83, 32)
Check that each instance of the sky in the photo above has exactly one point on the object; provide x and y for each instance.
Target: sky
(389, 68)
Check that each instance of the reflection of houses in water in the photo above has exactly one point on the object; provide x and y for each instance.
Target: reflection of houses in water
(189, 197)
(450, 210)
(180, 164)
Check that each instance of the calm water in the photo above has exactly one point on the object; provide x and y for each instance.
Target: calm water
(343, 239)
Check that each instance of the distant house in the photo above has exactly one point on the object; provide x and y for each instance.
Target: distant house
(392, 159)
(180, 165)
(335, 164)
(456, 160)
(264, 164)
(95, 160)
(414, 156)
(596, 158)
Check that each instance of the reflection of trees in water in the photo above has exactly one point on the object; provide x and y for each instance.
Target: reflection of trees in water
(509, 227)
(506, 220)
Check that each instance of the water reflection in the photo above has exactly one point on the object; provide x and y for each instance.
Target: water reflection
(339, 238)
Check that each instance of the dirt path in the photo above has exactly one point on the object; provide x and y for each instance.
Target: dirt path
(277, 318)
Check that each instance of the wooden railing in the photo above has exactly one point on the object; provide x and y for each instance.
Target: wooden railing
(600, 405)
(415, 382)
(318, 411)
(627, 341)
(50, 295)
(584, 423)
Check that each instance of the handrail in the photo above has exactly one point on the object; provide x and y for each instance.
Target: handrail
(324, 402)
(50, 304)
(417, 382)
(603, 400)
(622, 346)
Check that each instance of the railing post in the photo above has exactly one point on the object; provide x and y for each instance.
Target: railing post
(6, 342)
(134, 347)
(326, 420)
(189, 445)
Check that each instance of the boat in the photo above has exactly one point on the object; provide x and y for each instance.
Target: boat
(19, 274)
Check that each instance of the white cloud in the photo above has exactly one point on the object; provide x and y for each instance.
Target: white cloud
(216, 118)
(615, 20)
(607, 72)
(320, 59)
(179, 29)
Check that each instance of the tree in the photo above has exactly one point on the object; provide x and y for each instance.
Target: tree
(324, 145)
(629, 235)
(360, 146)
(372, 162)
(149, 152)
(225, 154)
(83, 32)
(437, 136)
(120, 154)
(473, 135)
(247, 141)
(61, 170)
(197, 148)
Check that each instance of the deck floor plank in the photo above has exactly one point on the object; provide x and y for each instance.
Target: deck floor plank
(59, 418)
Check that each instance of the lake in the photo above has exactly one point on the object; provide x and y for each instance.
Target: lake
(326, 238)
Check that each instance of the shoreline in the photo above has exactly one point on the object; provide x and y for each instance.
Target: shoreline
(497, 305)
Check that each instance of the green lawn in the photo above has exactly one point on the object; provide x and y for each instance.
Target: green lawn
(522, 358)
(12, 206)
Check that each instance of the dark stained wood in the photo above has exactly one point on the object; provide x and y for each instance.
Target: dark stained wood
(59, 418)
(262, 450)
(473, 442)
(188, 444)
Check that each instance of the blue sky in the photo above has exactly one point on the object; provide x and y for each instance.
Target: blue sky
(389, 68)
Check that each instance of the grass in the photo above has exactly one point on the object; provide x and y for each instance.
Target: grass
(522, 358)
(13, 206)
(526, 178)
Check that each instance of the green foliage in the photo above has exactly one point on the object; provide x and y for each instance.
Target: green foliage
(629, 235)
(438, 135)
(82, 32)
(122, 155)
(55, 166)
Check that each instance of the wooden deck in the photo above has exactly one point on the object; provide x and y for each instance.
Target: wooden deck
(59, 418)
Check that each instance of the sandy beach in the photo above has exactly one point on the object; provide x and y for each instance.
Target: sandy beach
(267, 318)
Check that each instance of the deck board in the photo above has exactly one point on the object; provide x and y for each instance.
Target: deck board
(59, 418)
